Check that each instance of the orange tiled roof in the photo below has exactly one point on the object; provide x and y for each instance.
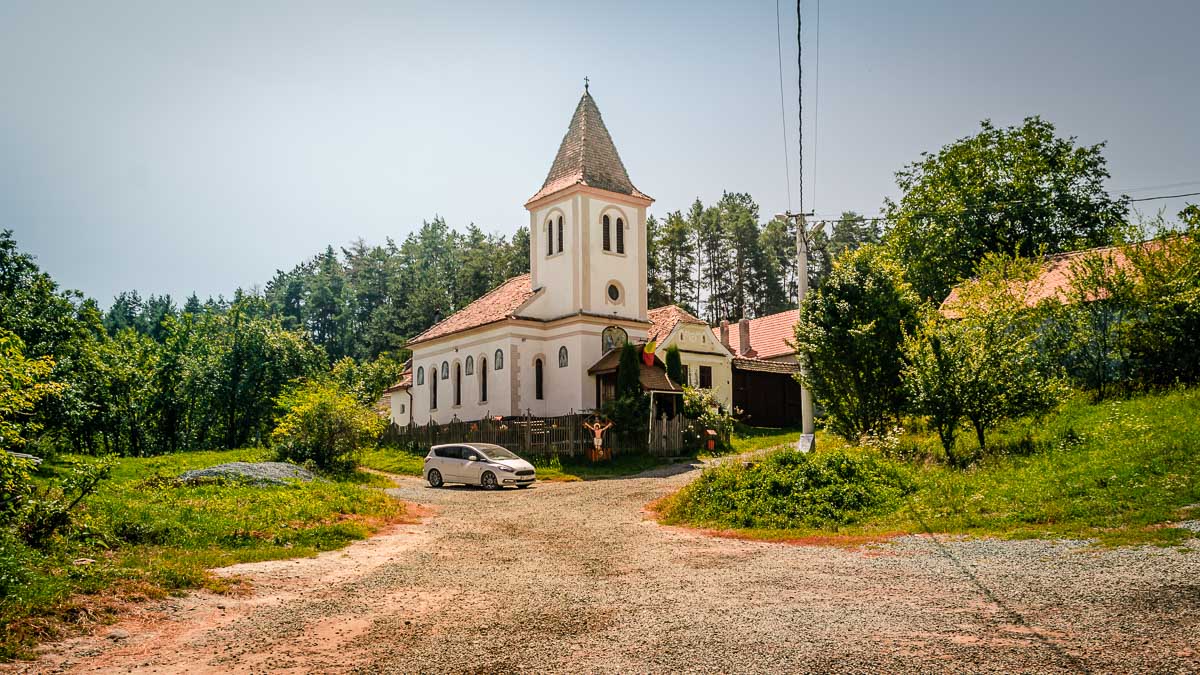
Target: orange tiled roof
(405, 381)
(770, 336)
(498, 304)
(664, 319)
(587, 156)
(653, 378)
(1056, 277)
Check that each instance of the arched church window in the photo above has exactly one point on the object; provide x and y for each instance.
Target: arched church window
(550, 237)
(620, 236)
(613, 337)
(499, 359)
(433, 378)
(562, 357)
(482, 380)
(560, 234)
(445, 370)
(607, 235)
(469, 368)
(457, 384)
(537, 379)
(420, 375)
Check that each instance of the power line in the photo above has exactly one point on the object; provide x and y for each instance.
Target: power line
(800, 105)
(996, 207)
(787, 170)
(816, 108)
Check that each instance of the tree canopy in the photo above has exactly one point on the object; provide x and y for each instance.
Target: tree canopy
(1017, 190)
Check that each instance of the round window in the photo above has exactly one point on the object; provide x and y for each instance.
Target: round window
(614, 293)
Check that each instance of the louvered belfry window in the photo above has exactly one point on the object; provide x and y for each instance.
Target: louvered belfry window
(607, 235)
(560, 234)
(550, 237)
(620, 236)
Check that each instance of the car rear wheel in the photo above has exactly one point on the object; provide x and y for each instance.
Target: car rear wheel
(488, 480)
(435, 478)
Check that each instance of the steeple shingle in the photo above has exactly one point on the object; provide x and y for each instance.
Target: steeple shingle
(588, 157)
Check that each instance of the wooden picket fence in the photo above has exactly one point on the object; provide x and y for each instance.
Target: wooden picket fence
(562, 436)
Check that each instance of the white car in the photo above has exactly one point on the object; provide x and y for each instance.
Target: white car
(485, 464)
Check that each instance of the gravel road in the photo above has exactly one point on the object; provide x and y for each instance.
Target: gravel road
(575, 577)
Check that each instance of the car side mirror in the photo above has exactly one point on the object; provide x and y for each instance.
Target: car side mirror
(473, 458)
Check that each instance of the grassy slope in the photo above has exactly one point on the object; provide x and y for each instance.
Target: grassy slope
(406, 463)
(1114, 471)
(149, 538)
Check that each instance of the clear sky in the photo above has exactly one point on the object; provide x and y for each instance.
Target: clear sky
(171, 146)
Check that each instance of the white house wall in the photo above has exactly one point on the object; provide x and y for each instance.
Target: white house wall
(698, 347)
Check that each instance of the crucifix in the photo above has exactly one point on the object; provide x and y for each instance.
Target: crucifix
(585, 84)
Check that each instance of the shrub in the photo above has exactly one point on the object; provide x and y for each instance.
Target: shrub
(49, 511)
(790, 489)
(848, 339)
(324, 426)
(675, 365)
(702, 406)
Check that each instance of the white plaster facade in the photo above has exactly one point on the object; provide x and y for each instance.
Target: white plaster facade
(698, 347)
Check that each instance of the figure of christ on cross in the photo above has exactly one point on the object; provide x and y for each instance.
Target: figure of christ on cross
(597, 427)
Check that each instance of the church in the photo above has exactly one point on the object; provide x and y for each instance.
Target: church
(544, 343)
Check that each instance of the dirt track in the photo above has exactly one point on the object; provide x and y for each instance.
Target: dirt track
(574, 577)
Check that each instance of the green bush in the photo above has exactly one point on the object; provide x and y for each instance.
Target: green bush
(324, 426)
(790, 489)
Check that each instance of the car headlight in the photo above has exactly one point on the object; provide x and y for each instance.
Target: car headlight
(506, 469)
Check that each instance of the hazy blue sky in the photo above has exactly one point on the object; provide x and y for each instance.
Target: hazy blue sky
(167, 147)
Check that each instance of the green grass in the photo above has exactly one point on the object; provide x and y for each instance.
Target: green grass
(405, 463)
(752, 439)
(1115, 472)
(148, 537)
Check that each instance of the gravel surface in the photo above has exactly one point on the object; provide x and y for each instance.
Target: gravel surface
(257, 473)
(575, 577)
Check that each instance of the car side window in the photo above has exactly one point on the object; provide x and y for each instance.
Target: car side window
(468, 452)
(451, 452)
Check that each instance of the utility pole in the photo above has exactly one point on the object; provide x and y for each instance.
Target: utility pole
(807, 435)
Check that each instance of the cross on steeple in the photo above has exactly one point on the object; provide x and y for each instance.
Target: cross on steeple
(585, 84)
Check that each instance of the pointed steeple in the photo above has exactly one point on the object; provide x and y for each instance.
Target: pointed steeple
(587, 156)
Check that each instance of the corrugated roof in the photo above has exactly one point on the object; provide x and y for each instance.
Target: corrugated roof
(497, 304)
(770, 336)
(761, 366)
(587, 156)
(664, 319)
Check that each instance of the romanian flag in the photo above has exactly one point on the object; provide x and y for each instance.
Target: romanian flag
(648, 352)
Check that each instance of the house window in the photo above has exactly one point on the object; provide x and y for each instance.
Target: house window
(537, 379)
(457, 384)
(607, 235)
(620, 236)
(470, 367)
(560, 234)
(613, 337)
(562, 357)
(706, 377)
(550, 237)
(684, 373)
(433, 378)
(401, 408)
(421, 375)
(499, 360)
(445, 370)
(482, 380)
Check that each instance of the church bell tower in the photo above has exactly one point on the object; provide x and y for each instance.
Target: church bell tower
(587, 228)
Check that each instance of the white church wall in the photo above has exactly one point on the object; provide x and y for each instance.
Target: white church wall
(556, 272)
(625, 270)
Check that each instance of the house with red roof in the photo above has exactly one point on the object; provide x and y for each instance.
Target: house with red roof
(531, 344)
(763, 368)
(706, 361)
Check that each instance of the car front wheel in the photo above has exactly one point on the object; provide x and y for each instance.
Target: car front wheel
(488, 480)
(434, 478)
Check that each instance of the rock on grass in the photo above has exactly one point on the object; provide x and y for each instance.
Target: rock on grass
(254, 473)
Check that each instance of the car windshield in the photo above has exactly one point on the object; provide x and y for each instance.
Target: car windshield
(495, 451)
